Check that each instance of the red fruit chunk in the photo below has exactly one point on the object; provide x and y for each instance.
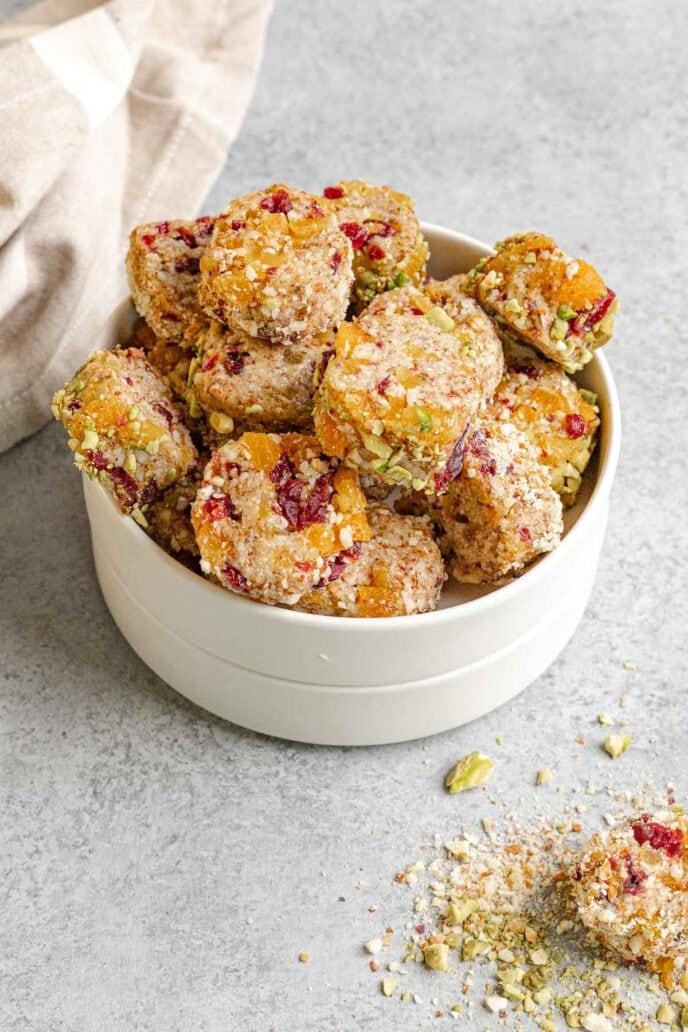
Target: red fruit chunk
(283, 471)
(187, 236)
(237, 580)
(306, 567)
(635, 879)
(590, 317)
(416, 311)
(316, 211)
(333, 192)
(219, 507)
(97, 460)
(382, 386)
(336, 261)
(669, 840)
(489, 468)
(235, 361)
(299, 511)
(125, 485)
(190, 265)
(205, 225)
(576, 426)
(356, 234)
(279, 202)
(375, 252)
(478, 445)
(524, 534)
(149, 239)
(237, 224)
(454, 464)
(163, 411)
(73, 405)
(211, 363)
(338, 564)
(377, 227)
(163, 228)
(533, 372)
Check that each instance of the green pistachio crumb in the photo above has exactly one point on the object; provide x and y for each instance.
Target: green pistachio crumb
(469, 772)
(401, 279)
(616, 745)
(559, 329)
(424, 418)
(436, 956)
(566, 312)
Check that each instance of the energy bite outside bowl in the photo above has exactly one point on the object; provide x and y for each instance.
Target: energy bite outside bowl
(330, 680)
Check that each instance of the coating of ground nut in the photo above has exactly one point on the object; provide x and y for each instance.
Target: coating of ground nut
(277, 266)
(163, 266)
(400, 391)
(243, 382)
(124, 428)
(389, 248)
(398, 572)
(473, 327)
(542, 297)
(274, 517)
(559, 419)
(501, 512)
(169, 520)
(630, 884)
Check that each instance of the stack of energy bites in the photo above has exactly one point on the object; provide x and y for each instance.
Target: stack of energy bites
(294, 365)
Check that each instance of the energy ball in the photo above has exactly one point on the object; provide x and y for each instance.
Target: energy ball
(399, 393)
(274, 515)
(630, 884)
(277, 266)
(559, 418)
(124, 428)
(169, 520)
(542, 297)
(397, 572)
(501, 512)
(389, 248)
(248, 383)
(475, 329)
(163, 267)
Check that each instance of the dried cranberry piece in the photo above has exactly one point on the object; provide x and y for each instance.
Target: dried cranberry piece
(163, 228)
(289, 494)
(315, 509)
(524, 534)
(338, 564)
(489, 468)
(356, 234)
(235, 361)
(336, 261)
(416, 311)
(190, 265)
(382, 386)
(315, 211)
(533, 372)
(585, 320)
(149, 239)
(302, 509)
(333, 192)
(279, 202)
(205, 225)
(211, 362)
(73, 405)
(305, 567)
(576, 426)
(219, 507)
(478, 445)
(635, 878)
(237, 224)
(454, 463)
(283, 471)
(97, 460)
(125, 485)
(375, 253)
(187, 236)
(230, 467)
(129, 382)
(163, 411)
(236, 579)
(669, 840)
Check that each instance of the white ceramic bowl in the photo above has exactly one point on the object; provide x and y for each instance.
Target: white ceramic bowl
(345, 681)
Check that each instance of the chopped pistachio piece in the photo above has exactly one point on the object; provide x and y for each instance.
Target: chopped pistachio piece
(566, 312)
(138, 517)
(438, 317)
(401, 279)
(130, 463)
(544, 776)
(459, 911)
(559, 329)
(424, 418)
(605, 720)
(615, 745)
(666, 1015)
(469, 772)
(388, 985)
(90, 441)
(436, 956)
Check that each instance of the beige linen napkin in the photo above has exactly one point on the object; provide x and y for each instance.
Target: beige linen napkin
(111, 114)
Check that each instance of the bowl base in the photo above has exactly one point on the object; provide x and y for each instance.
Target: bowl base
(345, 716)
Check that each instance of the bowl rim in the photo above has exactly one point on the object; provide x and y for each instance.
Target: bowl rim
(501, 594)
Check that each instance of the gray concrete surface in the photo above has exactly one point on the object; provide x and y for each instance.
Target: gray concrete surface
(161, 870)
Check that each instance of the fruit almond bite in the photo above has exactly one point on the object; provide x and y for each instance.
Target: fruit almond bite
(245, 382)
(559, 418)
(540, 296)
(399, 394)
(274, 517)
(124, 428)
(389, 248)
(397, 572)
(277, 266)
(630, 884)
(501, 512)
(163, 267)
